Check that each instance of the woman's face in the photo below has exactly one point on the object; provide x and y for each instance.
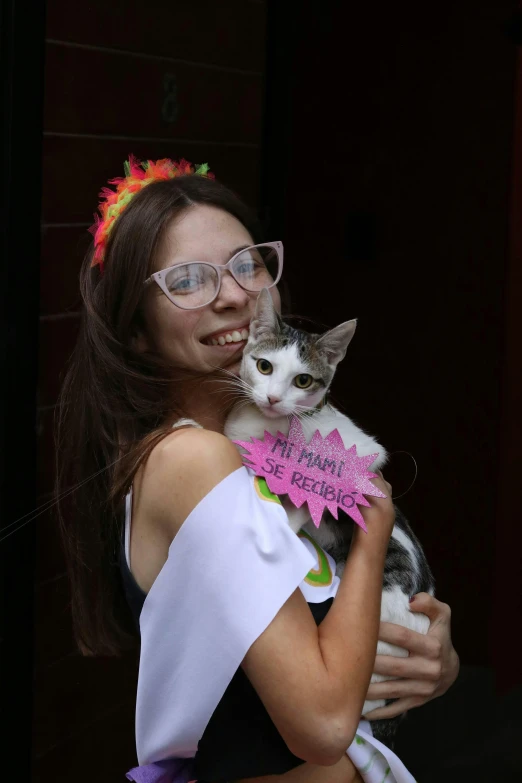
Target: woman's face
(182, 337)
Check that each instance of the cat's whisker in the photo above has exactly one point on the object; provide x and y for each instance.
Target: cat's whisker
(243, 387)
(226, 384)
(228, 376)
(234, 382)
(224, 371)
(235, 396)
(237, 390)
(243, 403)
(231, 389)
(301, 411)
(228, 372)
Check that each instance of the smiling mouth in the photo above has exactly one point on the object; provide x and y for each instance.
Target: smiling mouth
(227, 338)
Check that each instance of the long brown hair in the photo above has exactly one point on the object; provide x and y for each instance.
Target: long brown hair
(113, 405)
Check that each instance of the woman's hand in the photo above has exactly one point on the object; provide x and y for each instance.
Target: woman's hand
(430, 668)
(379, 516)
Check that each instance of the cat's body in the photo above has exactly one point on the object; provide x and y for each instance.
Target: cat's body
(247, 421)
(277, 363)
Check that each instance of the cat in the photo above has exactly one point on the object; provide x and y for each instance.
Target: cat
(287, 371)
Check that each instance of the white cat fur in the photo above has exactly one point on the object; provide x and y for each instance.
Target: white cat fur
(246, 421)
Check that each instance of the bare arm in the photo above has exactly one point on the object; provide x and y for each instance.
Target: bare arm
(312, 680)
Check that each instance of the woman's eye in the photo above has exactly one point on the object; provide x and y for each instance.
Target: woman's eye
(246, 268)
(182, 285)
(249, 265)
(264, 367)
(303, 381)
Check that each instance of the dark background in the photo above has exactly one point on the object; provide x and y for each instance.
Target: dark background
(381, 143)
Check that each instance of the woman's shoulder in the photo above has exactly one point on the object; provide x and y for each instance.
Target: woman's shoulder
(181, 470)
(191, 447)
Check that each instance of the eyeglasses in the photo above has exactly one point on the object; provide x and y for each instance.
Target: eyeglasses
(197, 283)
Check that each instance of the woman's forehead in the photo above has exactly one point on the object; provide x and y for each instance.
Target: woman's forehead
(202, 233)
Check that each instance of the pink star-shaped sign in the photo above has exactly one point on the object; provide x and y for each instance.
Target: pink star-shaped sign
(322, 473)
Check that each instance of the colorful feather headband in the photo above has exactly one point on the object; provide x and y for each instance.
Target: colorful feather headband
(138, 174)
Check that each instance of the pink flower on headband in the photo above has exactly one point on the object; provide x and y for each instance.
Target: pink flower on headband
(138, 174)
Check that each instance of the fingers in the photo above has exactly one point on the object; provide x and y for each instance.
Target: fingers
(414, 667)
(397, 708)
(378, 513)
(382, 484)
(428, 605)
(399, 689)
(416, 643)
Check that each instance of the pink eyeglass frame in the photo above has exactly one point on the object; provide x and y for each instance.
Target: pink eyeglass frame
(159, 277)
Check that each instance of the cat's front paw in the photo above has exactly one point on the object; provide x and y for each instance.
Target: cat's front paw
(373, 704)
(297, 517)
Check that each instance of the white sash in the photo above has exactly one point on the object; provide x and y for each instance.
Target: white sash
(196, 631)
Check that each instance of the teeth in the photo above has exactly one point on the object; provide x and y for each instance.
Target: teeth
(233, 337)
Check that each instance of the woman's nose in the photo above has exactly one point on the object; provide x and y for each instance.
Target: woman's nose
(231, 294)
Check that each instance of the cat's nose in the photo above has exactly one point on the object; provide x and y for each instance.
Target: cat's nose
(273, 400)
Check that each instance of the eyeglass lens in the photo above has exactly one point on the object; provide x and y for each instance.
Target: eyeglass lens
(197, 284)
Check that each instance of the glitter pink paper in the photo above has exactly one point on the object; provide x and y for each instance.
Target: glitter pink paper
(322, 473)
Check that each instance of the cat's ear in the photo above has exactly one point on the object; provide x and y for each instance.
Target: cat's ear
(335, 342)
(266, 320)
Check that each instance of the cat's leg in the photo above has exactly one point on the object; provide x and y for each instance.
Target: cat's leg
(395, 608)
(297, 517)
(331, 538)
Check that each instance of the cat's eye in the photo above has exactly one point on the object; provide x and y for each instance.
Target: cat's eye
(303, 381)
(264, 367)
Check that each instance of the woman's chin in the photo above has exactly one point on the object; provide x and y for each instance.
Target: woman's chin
(227, 357)
(233, 366)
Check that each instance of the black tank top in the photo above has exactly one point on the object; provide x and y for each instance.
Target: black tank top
(240, 740)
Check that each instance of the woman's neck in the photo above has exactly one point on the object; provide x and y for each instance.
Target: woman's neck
(207, 401)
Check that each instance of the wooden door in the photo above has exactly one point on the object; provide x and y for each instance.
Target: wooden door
(157, 80)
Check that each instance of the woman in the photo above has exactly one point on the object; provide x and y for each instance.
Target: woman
(234, 664)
